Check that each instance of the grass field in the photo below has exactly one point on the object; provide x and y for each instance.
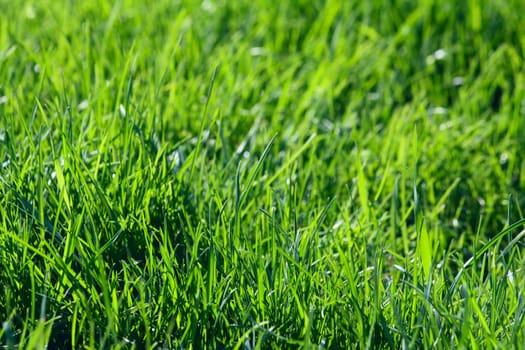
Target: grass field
(258, 174)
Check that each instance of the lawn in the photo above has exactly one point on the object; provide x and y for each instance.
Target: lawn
(262, 175)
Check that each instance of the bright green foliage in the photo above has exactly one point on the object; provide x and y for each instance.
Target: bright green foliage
(262, 174)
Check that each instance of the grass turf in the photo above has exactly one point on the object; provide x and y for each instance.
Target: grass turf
(253, 174)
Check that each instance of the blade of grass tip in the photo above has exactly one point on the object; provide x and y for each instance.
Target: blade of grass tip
(383, 181)
(484, 249)
(108, 244)
(286, 165)
(68, 111)
(238, 188)
(237, 207)
(509, 207)
(520, 316)
(131, 81)
(30, 210)
(81, 164)
(424, 246)
(129, 66)
(62, 184)
(417, 209)
(203, 119)
(43, 304)
(246, 334)
(441, 202)
(256, 171)
(513, 243)
(53, 259)
(394, 214)
(492, 242)
(320, 219)
(362, 189)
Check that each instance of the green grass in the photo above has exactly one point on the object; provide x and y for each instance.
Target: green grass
(259, 174)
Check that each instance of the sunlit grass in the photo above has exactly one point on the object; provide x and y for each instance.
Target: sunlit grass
(308, 174)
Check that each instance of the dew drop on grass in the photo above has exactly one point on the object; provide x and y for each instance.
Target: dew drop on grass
(83, 105)
(437, 55)
(437, 111)
(440, 54)
(122, 110)
(446, 125)
(337, 224)
(209, 6)
(458, 81)
(257, 51)
(504, 158)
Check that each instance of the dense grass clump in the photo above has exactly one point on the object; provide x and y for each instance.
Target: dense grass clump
(256, 174)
